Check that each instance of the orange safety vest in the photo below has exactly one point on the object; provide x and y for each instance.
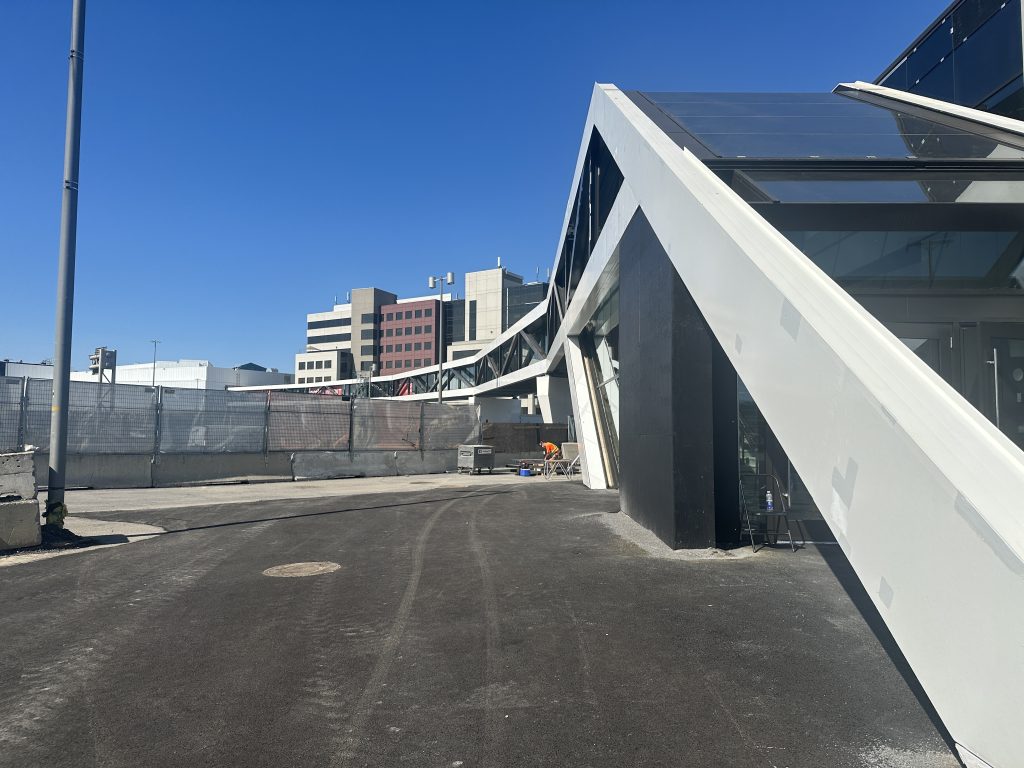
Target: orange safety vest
(549, 448)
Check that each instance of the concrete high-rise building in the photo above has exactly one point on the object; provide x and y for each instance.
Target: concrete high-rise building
(328, 354)
(482, 311)
(521, 299)
(366, 319)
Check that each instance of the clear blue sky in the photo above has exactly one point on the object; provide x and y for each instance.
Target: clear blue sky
(245, 161)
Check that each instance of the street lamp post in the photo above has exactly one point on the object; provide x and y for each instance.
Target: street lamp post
(55, 509)
(439, 281)
(154, 342)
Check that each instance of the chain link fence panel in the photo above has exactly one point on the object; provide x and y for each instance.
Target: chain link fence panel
(385, 425)
(212, 421)
(299, 422)
(132, 419)
(449, 426)
(10, 412)
(102, 418)
(37, 413)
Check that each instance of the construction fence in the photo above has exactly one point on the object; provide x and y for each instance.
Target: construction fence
(132, 419)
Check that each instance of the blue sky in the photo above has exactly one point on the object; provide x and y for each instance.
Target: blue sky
(246, 161)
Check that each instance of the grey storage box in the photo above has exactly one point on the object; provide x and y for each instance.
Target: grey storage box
(476, 457)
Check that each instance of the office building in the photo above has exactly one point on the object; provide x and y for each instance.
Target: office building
(328, 353)
(409, 335)
(366, 321)
(480, 318)
(520, 299)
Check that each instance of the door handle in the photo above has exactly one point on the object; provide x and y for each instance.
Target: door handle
(994, 362)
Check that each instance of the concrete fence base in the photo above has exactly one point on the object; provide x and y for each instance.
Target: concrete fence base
(310, 465)
(19, 524)
(144, 470)
(168, 470)
(19, 510)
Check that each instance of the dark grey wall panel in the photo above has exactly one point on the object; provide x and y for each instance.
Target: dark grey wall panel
(646, 483)
(677, 405)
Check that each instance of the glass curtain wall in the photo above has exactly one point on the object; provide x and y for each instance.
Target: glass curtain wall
(920, 217)
(972, 56)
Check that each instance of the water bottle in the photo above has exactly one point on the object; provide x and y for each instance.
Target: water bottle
(768, 502)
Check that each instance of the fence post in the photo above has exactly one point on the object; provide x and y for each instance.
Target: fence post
(266, 427)
(158, 408)
(351, 421)
(23, 414)
(422, 435)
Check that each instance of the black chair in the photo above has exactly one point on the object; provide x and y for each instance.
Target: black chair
(753, 500)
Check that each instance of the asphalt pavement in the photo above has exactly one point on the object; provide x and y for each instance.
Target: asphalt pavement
(469, 624)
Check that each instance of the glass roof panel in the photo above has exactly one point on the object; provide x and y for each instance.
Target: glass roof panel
(817, 125)
(789, 187)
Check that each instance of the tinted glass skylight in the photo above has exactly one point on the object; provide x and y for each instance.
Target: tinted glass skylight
(909, 187)
(816, 125)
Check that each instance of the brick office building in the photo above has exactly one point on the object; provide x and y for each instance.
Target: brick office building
(408, 337)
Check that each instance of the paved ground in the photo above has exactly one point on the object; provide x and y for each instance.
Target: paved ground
(473, 624)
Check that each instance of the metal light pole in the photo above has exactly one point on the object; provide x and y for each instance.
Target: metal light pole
(440, 281)
(55, 509)
(154, 342)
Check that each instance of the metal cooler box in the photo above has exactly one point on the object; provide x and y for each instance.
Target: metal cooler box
(476, 457)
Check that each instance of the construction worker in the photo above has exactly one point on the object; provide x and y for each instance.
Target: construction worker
(550, 450)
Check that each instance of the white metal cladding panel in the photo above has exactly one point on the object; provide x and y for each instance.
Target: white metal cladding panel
(923, 494)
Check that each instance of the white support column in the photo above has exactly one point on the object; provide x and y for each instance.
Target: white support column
(591, 466)
(554, 399)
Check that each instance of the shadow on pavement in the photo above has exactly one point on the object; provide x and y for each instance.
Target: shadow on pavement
(851, 584)
(275, 518)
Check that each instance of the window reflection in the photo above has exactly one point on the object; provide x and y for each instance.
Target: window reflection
(907, 187)
(916, 259)
(968, 58)
(826, 125)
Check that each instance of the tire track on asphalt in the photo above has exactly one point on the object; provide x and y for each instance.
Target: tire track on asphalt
(386, 658)
(492, 631)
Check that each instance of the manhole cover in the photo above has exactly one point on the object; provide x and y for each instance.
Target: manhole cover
(301, 569)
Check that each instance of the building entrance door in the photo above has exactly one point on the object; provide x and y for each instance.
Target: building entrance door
(934, 344)
(1002, 379)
